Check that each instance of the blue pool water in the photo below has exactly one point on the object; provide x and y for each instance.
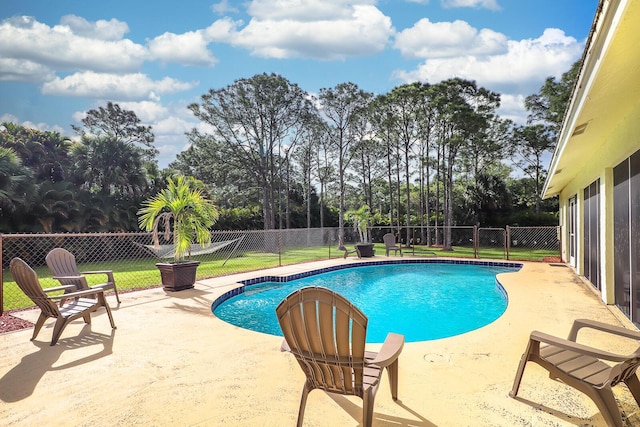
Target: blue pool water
(421, 301)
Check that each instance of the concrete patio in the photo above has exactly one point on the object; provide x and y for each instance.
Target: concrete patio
(170, 362)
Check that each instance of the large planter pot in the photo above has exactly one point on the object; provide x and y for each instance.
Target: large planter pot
(178, 276)
(365, 250)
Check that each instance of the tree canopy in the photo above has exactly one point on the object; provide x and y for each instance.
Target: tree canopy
(276, 156)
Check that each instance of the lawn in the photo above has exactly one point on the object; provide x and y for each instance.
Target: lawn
(132, 274)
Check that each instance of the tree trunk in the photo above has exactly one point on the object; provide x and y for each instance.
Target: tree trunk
(407, 182)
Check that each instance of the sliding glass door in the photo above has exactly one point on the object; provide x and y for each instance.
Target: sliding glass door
(591, 232)
(626, 228)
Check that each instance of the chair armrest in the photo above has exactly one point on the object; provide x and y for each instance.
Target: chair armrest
(604, 327)
(586, 350)
(59, 288)
(107, 272)
(390, 350)
(67, 277)
(78, 294)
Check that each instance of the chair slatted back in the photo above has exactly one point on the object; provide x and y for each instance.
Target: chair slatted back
(27, 280)
(625, 370)
(327, 335)
(61, 262)
(389, 240)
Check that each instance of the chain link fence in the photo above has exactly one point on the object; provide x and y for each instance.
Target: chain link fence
(533, 243)
(491, 243)
(132, 256)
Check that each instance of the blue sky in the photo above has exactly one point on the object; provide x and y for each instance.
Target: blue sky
(60, 58)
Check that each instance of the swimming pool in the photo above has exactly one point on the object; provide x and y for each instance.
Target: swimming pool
(421, 300)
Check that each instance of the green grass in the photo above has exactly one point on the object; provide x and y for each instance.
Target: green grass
(142, 273)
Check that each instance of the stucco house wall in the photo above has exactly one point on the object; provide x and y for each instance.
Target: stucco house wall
(601, 129)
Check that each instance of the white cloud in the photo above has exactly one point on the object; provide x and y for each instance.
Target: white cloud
(223, 7)
(521, 69)
(58, 47)
(484, 4)
(172, 125)
(20, 70)
(304, 11)
(512, 108)
(101, 29)
(189, 48)
(428, 39)
(329, 31)
(6, 117)
(29, 124)
(169, 123)
(170, 130)
(113, 86)
(147, 111)
(223, 30)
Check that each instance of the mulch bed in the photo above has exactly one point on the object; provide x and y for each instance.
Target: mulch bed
(10, 323)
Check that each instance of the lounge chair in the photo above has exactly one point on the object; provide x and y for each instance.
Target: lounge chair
(390, 244)
(582, 367)
(327, 335)
(27, 280)
(62, 264)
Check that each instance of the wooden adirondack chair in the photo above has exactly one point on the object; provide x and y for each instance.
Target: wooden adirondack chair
(582, 367)
(62, 264)
(327, 334)
(27, 280)
(390, 244)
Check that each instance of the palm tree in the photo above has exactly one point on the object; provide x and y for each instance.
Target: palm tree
(15, 181)
(54, 205)
(180, 207)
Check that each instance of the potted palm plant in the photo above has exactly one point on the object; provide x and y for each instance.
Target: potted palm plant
(361, 218)
(186, 216)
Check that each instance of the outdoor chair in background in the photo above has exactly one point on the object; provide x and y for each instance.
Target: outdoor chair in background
(27, 280)
(327, 336)
(62, 264)
(390, 244)
(348, 252)
(582, 367)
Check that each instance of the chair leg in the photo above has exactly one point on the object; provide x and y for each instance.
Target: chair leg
(61, 323)
(523, 363)
(608, 406)
(38, 325)
(103, 300)
(115, 291)
(392, 371)
(634, 387)
(367, 407)
(303, 402)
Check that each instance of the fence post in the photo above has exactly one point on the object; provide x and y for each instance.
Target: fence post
(1, 279)
(475, 241)
(508, 240)
(559, 231)
(280, 248)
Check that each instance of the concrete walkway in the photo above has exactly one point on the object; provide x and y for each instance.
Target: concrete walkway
(172, 363)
